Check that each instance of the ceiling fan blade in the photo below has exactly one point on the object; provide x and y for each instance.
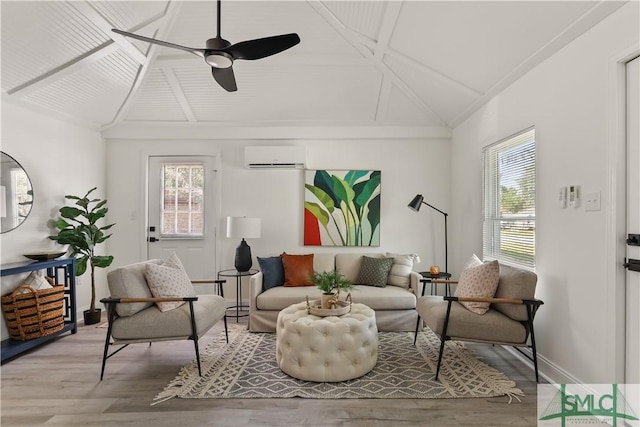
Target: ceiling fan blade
(225, 78)
(261, 48)
(199, 52)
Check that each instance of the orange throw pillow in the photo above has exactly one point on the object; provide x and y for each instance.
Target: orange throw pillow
(298, 269)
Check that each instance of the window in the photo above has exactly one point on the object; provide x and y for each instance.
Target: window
(509, 194)
(182, 200)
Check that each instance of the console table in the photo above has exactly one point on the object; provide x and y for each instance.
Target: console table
(63, 271)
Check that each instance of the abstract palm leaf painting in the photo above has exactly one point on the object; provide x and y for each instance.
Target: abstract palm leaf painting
(342, 208)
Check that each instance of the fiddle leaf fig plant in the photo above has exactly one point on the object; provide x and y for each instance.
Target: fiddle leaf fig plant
(78, 227)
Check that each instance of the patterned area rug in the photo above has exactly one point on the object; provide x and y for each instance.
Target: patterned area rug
(247, 368)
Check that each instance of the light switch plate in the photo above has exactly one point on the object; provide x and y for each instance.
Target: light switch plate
(592, 201)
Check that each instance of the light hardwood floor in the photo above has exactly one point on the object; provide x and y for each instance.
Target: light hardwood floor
(58, 385)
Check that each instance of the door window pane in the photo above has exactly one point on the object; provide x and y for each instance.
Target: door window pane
(182, 200)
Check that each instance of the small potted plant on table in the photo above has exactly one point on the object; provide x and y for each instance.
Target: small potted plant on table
(330, 283)
(78, 228)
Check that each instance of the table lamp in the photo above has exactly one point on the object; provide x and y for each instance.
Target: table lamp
(245, 228)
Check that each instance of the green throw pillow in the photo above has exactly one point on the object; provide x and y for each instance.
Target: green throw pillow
(374, 271)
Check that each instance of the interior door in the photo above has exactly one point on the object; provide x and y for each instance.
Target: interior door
(632, 353)
(181, 209)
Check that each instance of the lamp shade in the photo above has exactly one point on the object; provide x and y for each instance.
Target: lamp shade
(243, 227)
(416, 203)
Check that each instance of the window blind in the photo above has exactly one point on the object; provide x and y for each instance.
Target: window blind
(509, 198)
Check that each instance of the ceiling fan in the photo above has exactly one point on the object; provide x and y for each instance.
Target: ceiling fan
(220, 54)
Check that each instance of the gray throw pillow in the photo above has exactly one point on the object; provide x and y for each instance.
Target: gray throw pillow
(374, 271)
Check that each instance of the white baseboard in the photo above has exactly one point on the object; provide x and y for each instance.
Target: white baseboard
(548, 370)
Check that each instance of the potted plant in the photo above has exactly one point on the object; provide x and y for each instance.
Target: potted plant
(330, 283)
(78, 228)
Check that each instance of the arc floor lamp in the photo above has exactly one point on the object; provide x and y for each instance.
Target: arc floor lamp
(415, 205)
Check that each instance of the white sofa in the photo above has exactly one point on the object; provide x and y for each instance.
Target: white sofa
(395, 306)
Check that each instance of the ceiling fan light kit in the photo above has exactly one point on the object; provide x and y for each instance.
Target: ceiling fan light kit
(219, 59)
(219, 54)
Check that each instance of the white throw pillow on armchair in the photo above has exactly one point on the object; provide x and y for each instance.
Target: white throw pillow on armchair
(169, 279)
(478, 281)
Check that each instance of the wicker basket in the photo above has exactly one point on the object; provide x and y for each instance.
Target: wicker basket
(35, 313)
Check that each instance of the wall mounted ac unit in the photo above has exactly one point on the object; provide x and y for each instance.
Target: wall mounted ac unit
(275, 157)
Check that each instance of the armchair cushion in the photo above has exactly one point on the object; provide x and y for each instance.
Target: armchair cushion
(464, 324)
(518, 284)
(480, 281)
(169, 280)
(298, 269)
(130, 282)
(153, 324)
(374, 271)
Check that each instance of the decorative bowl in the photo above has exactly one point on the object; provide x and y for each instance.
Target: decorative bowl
(44, 256)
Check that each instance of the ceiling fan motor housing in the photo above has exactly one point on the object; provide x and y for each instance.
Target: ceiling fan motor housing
(215, 56)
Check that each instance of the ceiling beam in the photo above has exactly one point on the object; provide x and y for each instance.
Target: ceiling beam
(179, 94)
(88, 58)
(389, 20)
(277, 131)
(169, 16)
(347, 34)
(64, 70)
(105, 26)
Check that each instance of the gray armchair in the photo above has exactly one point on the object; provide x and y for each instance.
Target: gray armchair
(134, 317)
(509, 320)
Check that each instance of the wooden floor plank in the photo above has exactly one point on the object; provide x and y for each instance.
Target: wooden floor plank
(58, 385)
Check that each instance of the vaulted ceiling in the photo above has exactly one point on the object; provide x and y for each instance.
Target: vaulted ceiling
(379, 63)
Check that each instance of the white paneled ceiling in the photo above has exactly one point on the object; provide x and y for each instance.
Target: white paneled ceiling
(361, 63)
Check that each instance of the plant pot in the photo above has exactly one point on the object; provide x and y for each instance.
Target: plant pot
(92, 317)
(324, 300)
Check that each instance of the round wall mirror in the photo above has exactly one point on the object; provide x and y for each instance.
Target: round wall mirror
(16, 194)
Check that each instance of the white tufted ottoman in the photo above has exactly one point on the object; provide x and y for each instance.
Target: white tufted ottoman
(326, 349)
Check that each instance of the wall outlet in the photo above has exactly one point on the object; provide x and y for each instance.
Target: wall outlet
(592, 201)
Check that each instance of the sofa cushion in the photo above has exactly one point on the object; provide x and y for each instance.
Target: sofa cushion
(298, 269)
(515, 283)
(169, 279)
(272, 272)
(374, 271)
(400, 272)
(348, 264)
(387, 298)
(324, 262)
(129, 282)
(492, 326)
(478, 282)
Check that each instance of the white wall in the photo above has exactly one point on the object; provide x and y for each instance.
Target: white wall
(60, 159)
(566, 99)
(408, 166)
